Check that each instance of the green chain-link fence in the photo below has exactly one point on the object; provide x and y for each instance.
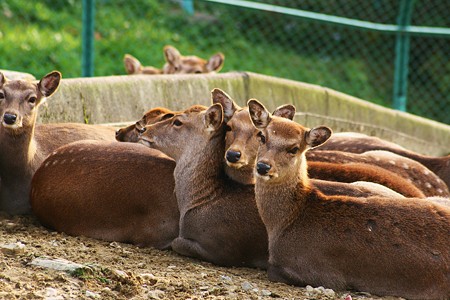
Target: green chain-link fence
(42, 35)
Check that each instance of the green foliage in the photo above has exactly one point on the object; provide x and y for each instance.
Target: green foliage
(44, 35)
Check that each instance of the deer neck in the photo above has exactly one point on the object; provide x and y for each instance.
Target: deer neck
(18, 153)
(199, 175)
(280, 203)
(243, 175)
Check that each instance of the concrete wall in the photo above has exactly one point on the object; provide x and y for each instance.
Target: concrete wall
(126, 98)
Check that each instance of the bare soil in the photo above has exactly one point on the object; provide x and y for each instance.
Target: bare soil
(121, 271)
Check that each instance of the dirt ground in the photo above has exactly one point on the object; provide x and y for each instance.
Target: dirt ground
(122, 271)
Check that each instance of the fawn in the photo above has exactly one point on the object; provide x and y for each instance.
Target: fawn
(360, 143)
(109, 191)
(242, 145)
(24, 145)
(219, 221)
(377, 245)
(176, 64)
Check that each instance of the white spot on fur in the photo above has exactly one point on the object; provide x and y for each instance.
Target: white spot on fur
(345, 149)
(81, 149)
(71, 151)
(392, 162)
(428, 185)
(405, 166)
(46, 164)
(55, 162)
(440, 191)
(72, 160)
(426, 172)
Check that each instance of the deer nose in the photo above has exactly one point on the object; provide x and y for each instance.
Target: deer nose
(9, 119)
(233, 156)
(262, 168)
(118, 131)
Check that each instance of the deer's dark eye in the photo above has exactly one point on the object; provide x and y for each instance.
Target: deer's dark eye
(177, 122)
(293, 150)
(261, 137)
(32, 100)
(2, 95)
(227, 128)
(198, 72)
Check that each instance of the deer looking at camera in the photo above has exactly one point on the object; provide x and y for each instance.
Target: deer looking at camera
(377, 245)
(25, 145)
(176, 64)
(242, 144)
(219, 221)
(360, 143)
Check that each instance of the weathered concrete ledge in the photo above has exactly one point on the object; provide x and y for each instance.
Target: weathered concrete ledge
(126, 98)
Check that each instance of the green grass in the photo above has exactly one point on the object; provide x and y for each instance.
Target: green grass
(45, 35)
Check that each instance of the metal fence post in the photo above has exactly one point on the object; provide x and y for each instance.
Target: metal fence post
(188, 6)
(402, 55)
(87, 56)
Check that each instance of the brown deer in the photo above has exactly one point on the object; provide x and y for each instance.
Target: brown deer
(219, 221)
(109, 191)
(25, 145)
(176, 64)
(377, 245)
(360, 143)
(419, 175)
(131, 132)
(242, 144)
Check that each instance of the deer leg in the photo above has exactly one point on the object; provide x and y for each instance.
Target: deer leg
(191, 248)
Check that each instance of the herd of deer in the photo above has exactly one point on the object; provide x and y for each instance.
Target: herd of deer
(235, 186)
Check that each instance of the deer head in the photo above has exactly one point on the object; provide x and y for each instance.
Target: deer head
(283, 143)
(20, 99)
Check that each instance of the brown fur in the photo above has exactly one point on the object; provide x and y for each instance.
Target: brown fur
(131, 133)
(419, 175)
(360, 143)
(377, 245)
(219, 221)
(351, 172)
(23, 145)
(110, 191)
(176, 64)
(241, 138)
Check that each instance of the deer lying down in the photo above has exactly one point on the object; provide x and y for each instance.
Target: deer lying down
(219, 221)
(242, 145)
(419, 175)
(131, 133)
(176, 64)
(109, 191)
(360, 143)
(25, 145)
(376, 245)
(357, 189)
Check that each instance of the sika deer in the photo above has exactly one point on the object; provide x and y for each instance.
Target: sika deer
(176, 64)
(25, 145)
(242, 145)
(419, 175)
(360, 143)
(377, 245)
(110, 191)
(219, 221)
(131, 133)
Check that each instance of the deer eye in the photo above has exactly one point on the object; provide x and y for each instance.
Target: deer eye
(227, 128)
(177, 122)
(293, 150)
(2, 95)
(198, 72)
(32, 100)
(261, 137)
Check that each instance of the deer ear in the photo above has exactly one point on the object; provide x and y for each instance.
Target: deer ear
(213, 117)
(286, 111)
(172, 56)
(228, 105)
(2, 79)
(132, 64)
(317, 136)
(258, 113)
(49, 83)
(215, 63)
